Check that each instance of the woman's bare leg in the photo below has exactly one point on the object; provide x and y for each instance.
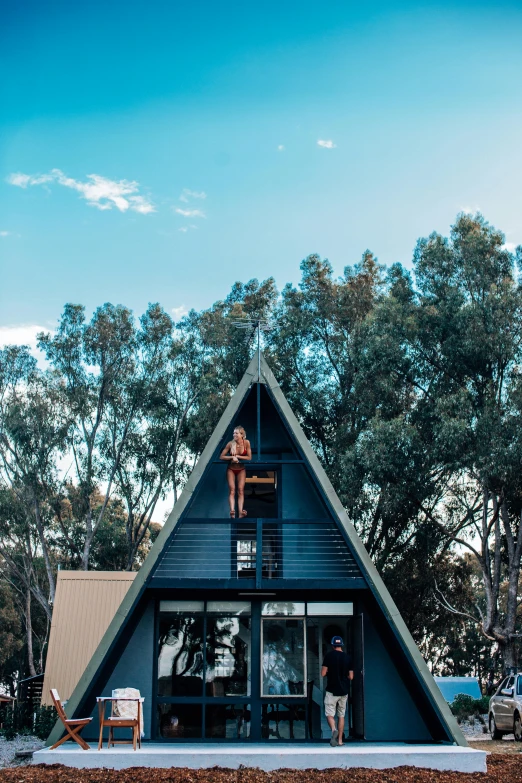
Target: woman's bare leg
(241, 478)
(231, 481)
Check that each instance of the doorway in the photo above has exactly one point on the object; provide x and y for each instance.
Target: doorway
(320, 631)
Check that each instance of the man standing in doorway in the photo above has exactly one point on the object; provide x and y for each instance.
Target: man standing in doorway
(337, 668)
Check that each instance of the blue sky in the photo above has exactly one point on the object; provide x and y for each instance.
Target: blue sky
(159, 151)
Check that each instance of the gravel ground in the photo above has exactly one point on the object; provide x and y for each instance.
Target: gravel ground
(474, 730)
(8, 748)
(501, 769)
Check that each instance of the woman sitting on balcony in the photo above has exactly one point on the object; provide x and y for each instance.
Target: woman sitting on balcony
(236, 451)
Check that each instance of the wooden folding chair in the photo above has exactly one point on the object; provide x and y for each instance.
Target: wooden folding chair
(72, 726)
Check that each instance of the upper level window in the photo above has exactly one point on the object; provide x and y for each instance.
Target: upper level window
(261, 494)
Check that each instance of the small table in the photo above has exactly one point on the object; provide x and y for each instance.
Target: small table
(115, 722)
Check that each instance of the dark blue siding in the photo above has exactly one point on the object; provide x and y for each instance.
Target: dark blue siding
(133, 670)
(389, 709)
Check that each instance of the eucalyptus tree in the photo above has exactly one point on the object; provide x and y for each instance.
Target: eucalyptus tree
(318, 329)
(105, 371)
(338, 349)
(152, 459)
(33, 436)
(11, 637)
(411, 395)
(468, 353)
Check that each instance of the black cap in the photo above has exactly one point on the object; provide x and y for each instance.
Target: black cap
(337, 642)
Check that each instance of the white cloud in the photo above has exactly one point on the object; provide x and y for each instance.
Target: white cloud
(5, 233)
(509, 246)
(183, 229)
(187, 194)
(98, 191)
(469, 210)
(194, 213)
(23, 180)
(24, 334)
(280, 147)
(326, 143)
(178, 312)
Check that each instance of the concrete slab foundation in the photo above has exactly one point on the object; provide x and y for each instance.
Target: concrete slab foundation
(268, 758)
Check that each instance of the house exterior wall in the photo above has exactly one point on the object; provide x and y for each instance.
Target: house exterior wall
(211, 497)
(300, 498)
(388, 705)
(390, 713)
(134, 669)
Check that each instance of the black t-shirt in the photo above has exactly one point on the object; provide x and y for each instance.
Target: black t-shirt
(339, 665)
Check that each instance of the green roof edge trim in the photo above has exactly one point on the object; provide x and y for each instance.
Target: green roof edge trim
(371, 574)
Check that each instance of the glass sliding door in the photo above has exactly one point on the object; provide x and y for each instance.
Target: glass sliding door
(204, 670)
(227, 721)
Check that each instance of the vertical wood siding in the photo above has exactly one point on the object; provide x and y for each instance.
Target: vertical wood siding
(85, 604)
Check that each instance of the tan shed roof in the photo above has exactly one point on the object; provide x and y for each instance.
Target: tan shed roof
(85, 603)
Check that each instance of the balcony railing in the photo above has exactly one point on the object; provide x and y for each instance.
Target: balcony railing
(262, 549)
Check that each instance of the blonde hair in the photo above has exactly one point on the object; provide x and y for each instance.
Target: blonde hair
(233, 447)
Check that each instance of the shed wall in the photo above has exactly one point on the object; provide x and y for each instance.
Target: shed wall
(85, 603)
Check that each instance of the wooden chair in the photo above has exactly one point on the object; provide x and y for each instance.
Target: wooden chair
(115, 721)
(72, 726)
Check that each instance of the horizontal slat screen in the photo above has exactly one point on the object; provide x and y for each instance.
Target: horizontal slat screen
(205, 549)
(306, 551)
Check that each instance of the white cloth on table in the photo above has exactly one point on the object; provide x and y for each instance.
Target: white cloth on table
(127, 709)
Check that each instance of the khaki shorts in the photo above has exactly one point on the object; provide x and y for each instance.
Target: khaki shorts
(333, 703)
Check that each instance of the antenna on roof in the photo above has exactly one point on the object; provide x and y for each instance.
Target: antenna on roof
(253, 326)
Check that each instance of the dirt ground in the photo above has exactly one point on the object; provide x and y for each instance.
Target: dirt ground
(502, 768)
(497, 746)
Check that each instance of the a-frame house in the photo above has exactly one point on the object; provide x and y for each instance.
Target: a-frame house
(225, 626)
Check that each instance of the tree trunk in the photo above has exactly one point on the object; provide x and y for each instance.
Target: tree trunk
(89, 535)
(29, 633)
(45, 551)
(508, 652)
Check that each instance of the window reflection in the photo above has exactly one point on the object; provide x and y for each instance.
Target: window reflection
(283, 657)
(180, 660)
(283, 721)
(228, 656)
(179, 721)
(227, 721)
(282, 608)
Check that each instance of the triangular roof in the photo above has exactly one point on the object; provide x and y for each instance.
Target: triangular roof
(373, 579)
